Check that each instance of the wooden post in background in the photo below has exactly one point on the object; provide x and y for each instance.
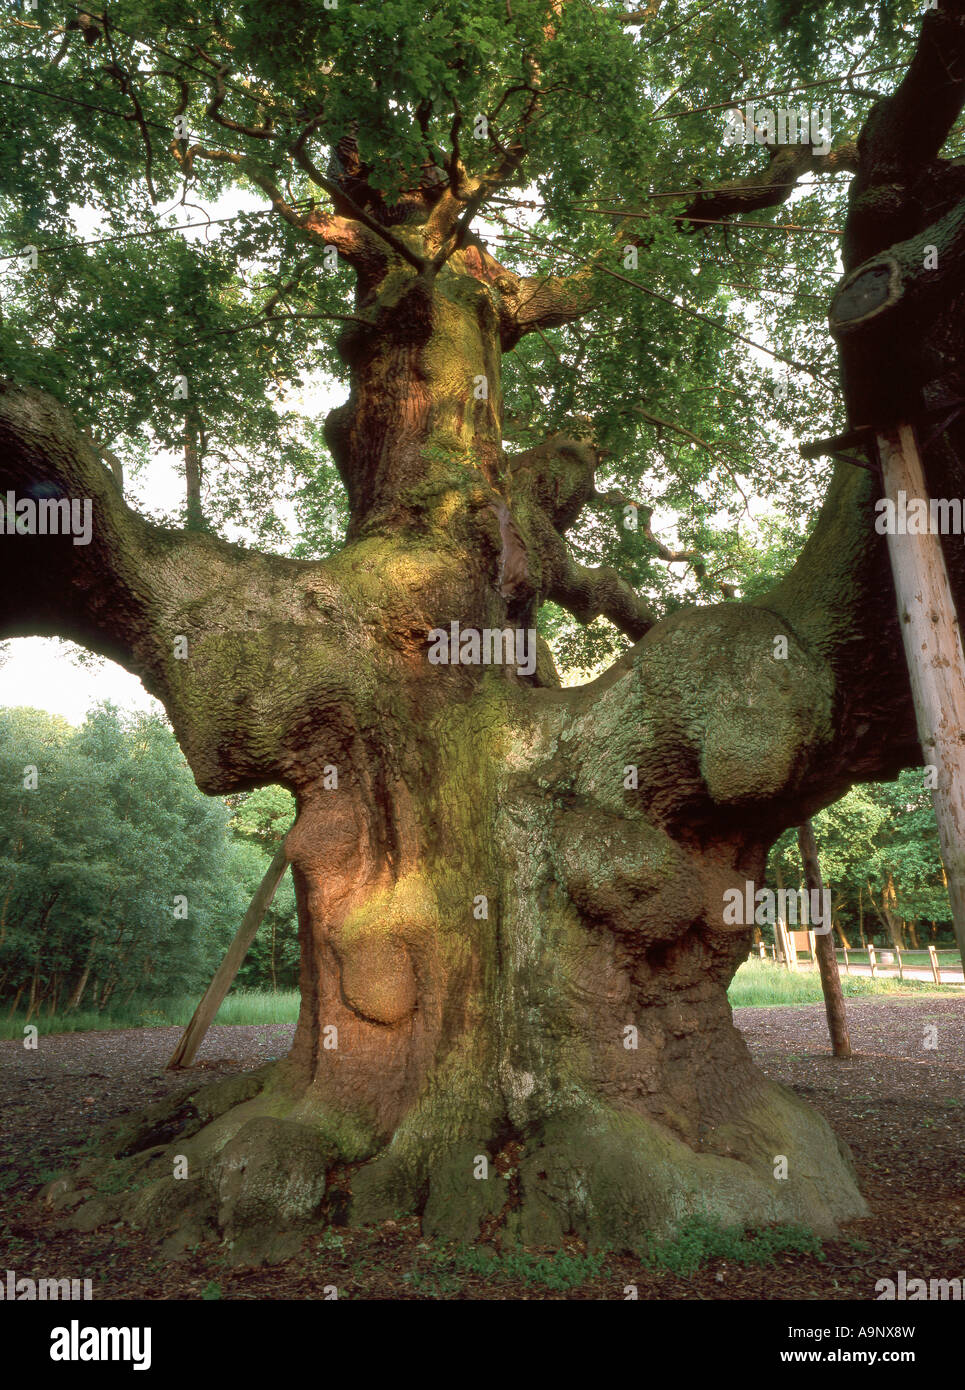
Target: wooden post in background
(213, 997)
(824, 948)
(936, 662)
(933, 957)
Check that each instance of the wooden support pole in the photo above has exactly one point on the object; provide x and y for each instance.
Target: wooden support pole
(936, 661)
(933, 957)
(824, 947)
(213, 997)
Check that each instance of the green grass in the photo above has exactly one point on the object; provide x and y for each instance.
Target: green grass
(762, 982)
(241, 1006)
(441, 1273)
(560, 1271)
(756, 982)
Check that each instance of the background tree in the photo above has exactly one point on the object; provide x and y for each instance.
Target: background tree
(263, 816)
(881, 860)
(121, 881)
(112, 864)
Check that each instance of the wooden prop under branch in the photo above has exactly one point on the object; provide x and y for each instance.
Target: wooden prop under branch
(824, 947)
(882, 317)
(213, 997)
(936, 664)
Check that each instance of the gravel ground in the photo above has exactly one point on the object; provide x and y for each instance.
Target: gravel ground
(899, 1103)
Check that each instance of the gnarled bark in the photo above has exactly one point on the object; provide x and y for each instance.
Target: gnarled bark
(510, 895)
(486, 907)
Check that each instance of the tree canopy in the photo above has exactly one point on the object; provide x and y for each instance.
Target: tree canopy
(605, 130)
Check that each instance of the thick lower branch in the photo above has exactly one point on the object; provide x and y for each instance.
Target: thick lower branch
(95, 590)
(906, 130)
(884, 312)
(242, 649)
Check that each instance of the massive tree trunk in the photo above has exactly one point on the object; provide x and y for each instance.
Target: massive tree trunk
(509, 952)
(514, 952)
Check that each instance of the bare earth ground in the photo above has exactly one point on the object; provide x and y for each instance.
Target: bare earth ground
(899, 1104)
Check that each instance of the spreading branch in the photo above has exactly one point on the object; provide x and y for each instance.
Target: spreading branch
(905, 131)
(769, 187)
(590, 593)
(173, 607)
(350, 237)
(549, 301)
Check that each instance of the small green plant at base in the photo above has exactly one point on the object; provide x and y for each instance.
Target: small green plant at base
(211, 1291)
(433, 1283)
(112, 1182)
(701, 1238)
(331, 1242)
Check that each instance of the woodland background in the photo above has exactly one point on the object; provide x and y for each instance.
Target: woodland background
(94, 868)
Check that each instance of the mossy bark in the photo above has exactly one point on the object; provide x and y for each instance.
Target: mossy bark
(514, 958)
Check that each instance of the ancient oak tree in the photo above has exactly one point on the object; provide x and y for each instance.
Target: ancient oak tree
(514, 957)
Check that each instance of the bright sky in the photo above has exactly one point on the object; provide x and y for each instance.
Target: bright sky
(39, 672)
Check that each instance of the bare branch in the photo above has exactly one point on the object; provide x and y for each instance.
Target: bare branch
(213, 109)
(125, 81)
(270, 320)
(325, 229)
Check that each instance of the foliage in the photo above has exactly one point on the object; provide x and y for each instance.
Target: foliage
(106, 861)
(702, 1238)
(263, 816)
(118, 878)
(877, 837)
(695, 423)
